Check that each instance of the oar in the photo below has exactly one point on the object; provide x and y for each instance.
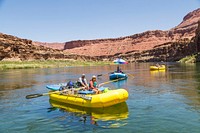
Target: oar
(84, 97)
(44, 94)
(103, 74)
(39, 95)
(110, 81)
(99, 75)
(130, 75)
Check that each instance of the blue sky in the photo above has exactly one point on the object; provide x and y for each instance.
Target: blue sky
(66, 20)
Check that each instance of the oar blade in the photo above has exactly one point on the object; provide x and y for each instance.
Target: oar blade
(33, 96)
(131, 75)
(99, 75)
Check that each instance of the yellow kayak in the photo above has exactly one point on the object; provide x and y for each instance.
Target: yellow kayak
(106, 99)
(161, 67)
(118, 111)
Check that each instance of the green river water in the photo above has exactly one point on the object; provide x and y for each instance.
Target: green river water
(159, 101)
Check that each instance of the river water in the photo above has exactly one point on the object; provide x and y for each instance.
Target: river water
(159, 101)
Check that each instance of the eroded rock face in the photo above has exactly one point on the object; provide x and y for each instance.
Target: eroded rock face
(54, 45)
(189, 24)
(157, 45)
(17, 49)
(100, 47)
(197, 38)
(138, 42)
(167, 52)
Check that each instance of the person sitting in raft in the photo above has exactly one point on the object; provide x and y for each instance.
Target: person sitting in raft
(158, 65)
(82, 82)
(93, 85)
(119, 70)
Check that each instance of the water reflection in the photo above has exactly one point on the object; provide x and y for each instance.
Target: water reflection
(94, 116)
(158, 73)
(170, 97)
(185, 78)
(25, 78)
(120, 84)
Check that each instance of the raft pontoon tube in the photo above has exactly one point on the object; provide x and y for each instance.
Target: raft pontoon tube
(117, 75)
(105, 99)
(162, 67)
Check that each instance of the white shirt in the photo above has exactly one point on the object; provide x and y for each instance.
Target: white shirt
(82, 80)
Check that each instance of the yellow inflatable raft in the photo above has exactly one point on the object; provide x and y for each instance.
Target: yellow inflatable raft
(109, 98)
(162, 67)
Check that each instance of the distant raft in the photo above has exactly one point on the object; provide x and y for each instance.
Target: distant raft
(105, 99)
(117, 75)
(161, 67)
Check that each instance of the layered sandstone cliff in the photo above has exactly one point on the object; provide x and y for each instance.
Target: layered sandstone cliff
(17, 49)
(170, 51)
(54, 45)
(197, 38)
(138, 42)
(189, 24)
(170, 45)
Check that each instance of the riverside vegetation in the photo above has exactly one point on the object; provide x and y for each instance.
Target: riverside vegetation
(191, 59)
(49, 64)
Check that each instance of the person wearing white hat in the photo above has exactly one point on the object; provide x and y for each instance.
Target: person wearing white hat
(82, 81)
(93, 84)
